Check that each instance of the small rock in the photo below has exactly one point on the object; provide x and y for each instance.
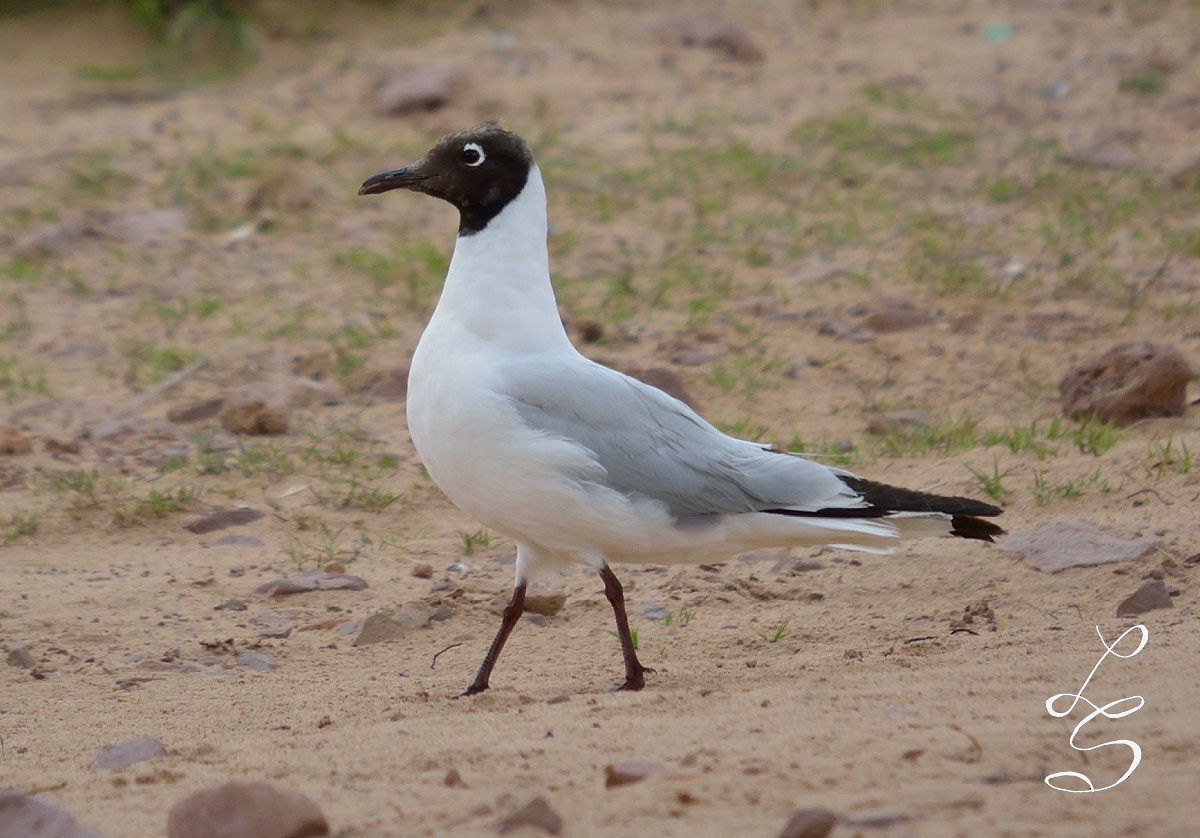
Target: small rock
(271, 625)
(454, 780)
(422, 570)
(113, 428)
(629, 771)
(840, 329)
(545, 604)
(1131, 381)
(20, 656)
(223, 519)
(423, 89)
(590, 331)
(713, 33)
(195, 411)
(1149, 597)
(256, 661)
(308, 393)
(137, 749)
(378, 628)
(231, 604)
(145, 227)
(14, 441)
(896, 421)
(652, 610)
(246, 810)
(897, 317)
(255, 411)
(334, 567)
(390, 384)
(1068, 542)
(809, 823)
(62, 446)
(311, 580)
(238, 541)
(27, 816)
(693, 357)
(535, 813)
(414, 614)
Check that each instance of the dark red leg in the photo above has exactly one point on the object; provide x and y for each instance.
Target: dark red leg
(512, 613)
(634, 671)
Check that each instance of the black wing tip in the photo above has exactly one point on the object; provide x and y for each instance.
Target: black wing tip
(968, 526)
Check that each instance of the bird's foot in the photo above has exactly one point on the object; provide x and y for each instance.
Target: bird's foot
(475, 689)
(634, 681)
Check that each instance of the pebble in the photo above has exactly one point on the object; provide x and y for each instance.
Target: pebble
(545, 604)
(195, 411)
(626, 772)
(310, 580)
(20, 656)
(422, 570)
(255, 410)
(426, 88)
(246, 810)
(223, 519)
(1149, 597)
(378, 628)
(534, 813)
(137, 749)
(28, 816)
(652, 610)
(231, 604)
(454, 780)
(256, 661)
(809, 823)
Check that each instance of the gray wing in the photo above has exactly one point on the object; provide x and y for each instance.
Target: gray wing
(652, 445)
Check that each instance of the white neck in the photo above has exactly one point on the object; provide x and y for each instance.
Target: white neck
(498, 286)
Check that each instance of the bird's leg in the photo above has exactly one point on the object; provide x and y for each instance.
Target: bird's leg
(634, 671)
(512, 613)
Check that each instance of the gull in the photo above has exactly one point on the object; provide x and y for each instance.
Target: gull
(579, 463)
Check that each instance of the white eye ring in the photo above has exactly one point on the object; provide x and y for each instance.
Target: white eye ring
(479, 155)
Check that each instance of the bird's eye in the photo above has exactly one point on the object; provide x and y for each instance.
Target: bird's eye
(473, 155)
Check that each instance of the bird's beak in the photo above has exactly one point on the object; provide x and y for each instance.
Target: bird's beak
(407, 178)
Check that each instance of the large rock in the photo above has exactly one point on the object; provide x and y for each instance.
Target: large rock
(1060, 543)
(1131, 381)
(246, 810)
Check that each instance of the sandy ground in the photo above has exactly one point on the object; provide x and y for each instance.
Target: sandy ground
(836, 683)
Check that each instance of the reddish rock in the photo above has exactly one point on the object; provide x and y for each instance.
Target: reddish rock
(14, 441)
(1131, 381)
(1070, 542)
(246, 810)
(255, 410)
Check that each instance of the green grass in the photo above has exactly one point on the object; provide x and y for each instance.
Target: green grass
(679, 618)
(19, 525)
(1170, 457)
(992, 482)
(774, 635)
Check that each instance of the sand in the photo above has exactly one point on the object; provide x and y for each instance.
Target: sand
(840, 681)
